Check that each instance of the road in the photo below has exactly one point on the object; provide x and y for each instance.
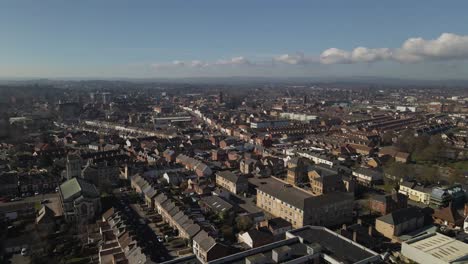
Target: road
(33, 199)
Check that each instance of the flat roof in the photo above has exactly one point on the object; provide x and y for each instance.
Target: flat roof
(333, 244)
(440, 246)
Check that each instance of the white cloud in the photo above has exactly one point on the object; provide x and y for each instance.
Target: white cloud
(447, 46)
(200, 64)
(197, 64)
(362, 54)
(358, 55)
(294, 59)
(178, 63)
(335, 56)
(234, 61)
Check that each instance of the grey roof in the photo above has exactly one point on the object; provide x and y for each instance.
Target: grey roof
(205, 241)
(230, 176)
(161, 198)
(335, 245)
(150, 192)
(324, 170)
(168, 205)
(401, 216)
(192, 229)
(297, 197)
(184, 221)
(178, 216)
(217, 203)
(329, 198)
(77, 185)
(278, 222)
(283, 191)
(408, 184)
(174, 211)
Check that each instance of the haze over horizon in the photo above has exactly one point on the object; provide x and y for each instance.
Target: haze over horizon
(158, 39)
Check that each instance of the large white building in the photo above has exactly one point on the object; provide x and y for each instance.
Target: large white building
(435, 248)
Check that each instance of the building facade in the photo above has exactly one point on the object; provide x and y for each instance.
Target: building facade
(300, 207)
(80, 201)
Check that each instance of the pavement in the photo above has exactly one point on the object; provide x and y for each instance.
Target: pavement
(18, 259)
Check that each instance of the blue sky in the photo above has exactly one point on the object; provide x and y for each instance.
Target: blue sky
(114, 38)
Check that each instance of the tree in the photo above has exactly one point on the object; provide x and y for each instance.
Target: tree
(428, 149)
(387, 138)
(428, 175)
(227, 232)
(397, 170)
(183, 185)
(456, 176)
(244, 223)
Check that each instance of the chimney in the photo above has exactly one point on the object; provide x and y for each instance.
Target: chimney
(354, 236)
(343, 227)
(359, 221)
(370, 230)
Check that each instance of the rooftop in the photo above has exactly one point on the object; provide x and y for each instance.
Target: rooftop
(76, 185)
(333, 244)
(440, 246)
(282, 190)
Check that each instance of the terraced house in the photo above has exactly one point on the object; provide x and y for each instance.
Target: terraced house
(173, 213)
(232, 182)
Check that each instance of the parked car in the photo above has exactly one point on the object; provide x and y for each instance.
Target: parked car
(24, 252)
(16, 199)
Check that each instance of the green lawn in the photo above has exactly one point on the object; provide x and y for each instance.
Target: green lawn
(387, 187)
(460, 165)
(37, 205)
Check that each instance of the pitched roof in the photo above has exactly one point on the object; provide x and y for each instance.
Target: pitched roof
(278, 222)
(230, 176)
(108, 213)
(77, 185)
(259, 236)
(284, 192)
(150, 192)
(401, 216)
(216, 203)
(45, 214)
(205, 241)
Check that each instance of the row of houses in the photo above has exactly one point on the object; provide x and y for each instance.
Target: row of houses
(437, 196)
(204, 245)
(200, 168)
(119, 243)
